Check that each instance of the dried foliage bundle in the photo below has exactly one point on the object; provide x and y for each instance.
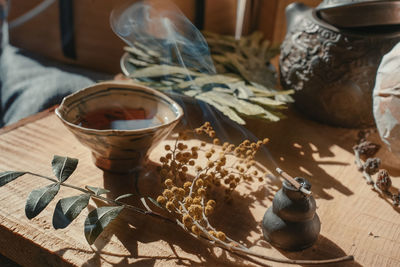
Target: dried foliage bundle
(244, 85)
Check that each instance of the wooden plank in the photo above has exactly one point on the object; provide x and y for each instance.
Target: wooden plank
(27, 120)
(280, 18)
(97, 46)
(220, 16)
(349, 210)
(266, 18)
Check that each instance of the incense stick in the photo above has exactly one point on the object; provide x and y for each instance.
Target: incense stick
(293, 182)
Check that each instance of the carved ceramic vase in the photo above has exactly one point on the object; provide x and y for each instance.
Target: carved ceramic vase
(291, 223)
(332, 70)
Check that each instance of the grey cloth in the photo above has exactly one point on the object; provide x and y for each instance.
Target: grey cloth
(30, 84)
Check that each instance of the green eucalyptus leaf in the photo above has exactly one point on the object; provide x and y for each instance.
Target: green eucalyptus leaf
(63, 167)
(261, 90)
(97, 190)
(123, 196)
(162, 70)
(249, 109)
(222, 98)
(270, 116)
(226, 110)
(242, 106)
(137, 52)
(39, 199)
(285, 98)
(97, 221)
(266, 101)
(67, 209)
(241, 90)
(191, 93)
(167, 83)
(138, 63)
(209, 79)
(218, 89)
(176, 80)
(147, 50)
(6, 177)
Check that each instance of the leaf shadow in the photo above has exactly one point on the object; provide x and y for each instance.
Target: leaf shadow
(133, 230)
(322, 249)
(295, 143)
(303, 148)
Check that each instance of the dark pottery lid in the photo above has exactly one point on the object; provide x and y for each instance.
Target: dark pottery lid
(360, 13)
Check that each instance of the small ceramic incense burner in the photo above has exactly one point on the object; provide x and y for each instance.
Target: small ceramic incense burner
(291, 223)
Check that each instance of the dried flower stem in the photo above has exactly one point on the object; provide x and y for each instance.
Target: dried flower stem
(185, 197)
(359, 163)
(241, 250)
(358, 159)
(368, 177)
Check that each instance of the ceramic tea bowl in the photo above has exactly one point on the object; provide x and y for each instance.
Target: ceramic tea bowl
(121, 149)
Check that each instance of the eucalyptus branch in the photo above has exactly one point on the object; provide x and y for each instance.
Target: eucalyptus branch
(93, 195)
(146, 211)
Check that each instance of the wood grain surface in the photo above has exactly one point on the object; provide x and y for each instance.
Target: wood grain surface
(279, 28)
(355, 220)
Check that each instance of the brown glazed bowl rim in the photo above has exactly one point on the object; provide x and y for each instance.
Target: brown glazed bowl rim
(63, 109)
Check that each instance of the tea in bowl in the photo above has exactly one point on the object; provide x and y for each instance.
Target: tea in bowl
(119, 122)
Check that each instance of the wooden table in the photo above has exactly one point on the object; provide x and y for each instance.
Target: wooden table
(355, 220)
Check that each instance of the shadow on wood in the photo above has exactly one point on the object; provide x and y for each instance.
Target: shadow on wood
(304, 148)
(321, 250)
(234, 218)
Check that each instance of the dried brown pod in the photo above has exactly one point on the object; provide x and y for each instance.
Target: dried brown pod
(383, 181)
(367, 149)
(371, 165)
(363, 134)
(396, 199)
